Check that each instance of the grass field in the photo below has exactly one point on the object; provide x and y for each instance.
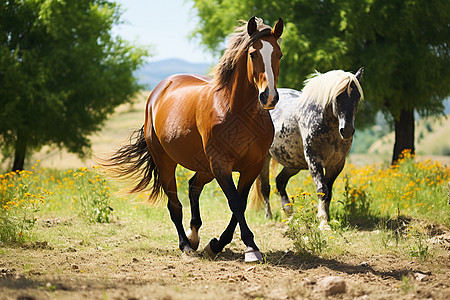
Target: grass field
(67, 232)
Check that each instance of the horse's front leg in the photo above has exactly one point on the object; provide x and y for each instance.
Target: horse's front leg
(331, 173)
(317, 174)
(237, 200)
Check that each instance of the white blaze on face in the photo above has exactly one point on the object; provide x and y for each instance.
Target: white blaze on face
(266, 52)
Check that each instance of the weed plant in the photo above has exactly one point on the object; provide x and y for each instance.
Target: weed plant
(22, 197)
(375, 197)
(93, 196)
(26, 194)
(304, 228)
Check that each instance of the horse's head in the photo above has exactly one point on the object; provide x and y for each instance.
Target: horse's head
(263, 61)
(346, 106)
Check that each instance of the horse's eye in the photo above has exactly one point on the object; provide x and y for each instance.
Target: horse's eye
(281, 56)
(252, 55)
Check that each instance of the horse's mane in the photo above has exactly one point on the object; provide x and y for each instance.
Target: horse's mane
(238, 44)
(324, 88)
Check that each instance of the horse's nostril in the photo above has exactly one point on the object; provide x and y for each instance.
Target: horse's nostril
(347, 132)
(263, 98)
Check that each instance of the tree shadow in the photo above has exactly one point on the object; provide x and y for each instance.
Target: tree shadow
(23, 284)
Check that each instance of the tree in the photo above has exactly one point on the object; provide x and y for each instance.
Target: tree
(61, 73)
(403, 45)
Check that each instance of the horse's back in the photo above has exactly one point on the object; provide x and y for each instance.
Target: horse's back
(289, 94)
(171, 113)
(284, 110)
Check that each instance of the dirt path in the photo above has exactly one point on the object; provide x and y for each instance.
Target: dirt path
(40, 272)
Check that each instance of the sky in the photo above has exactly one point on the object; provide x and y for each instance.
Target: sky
(164, 24)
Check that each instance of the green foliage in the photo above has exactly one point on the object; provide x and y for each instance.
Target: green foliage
(304, 229)
(62, 74)
(410, 188)
(355, 205)
(93, 196)
(403, 46)
(418, 246)
(22, 198)
(406, 286)
(400, 201)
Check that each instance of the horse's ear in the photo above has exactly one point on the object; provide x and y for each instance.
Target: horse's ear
(359, 73)
(251, 26)
(277, 30)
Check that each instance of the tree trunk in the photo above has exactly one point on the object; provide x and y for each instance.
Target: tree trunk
(404, 134)
(19, 152)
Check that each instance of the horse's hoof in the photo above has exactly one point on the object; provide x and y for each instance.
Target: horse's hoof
(188, 253)
(324, 225)
(208, 252)
(252, 255)
(193, 238)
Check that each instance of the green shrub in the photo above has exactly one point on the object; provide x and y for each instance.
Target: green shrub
(22, 198)
(93, 197)
(304, 227)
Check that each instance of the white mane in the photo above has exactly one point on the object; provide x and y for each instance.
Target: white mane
(324, 88)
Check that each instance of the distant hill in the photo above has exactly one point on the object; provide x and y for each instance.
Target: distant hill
(150, 74)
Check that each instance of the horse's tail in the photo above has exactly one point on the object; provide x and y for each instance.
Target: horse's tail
(134, 162)
(256, 198)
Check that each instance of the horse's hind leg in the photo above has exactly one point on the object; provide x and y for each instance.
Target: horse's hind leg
(166, 169)
(282, 181)
(196, 184)
(265, 186)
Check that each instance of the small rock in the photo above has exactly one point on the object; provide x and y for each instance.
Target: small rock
(310, 281)
(250, 269)
(332, 285)
(135, 259)
(364, 264)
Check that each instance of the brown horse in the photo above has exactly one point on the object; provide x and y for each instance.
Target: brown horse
(213, 127)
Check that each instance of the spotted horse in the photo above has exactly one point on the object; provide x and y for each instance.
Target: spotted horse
(313, 130)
